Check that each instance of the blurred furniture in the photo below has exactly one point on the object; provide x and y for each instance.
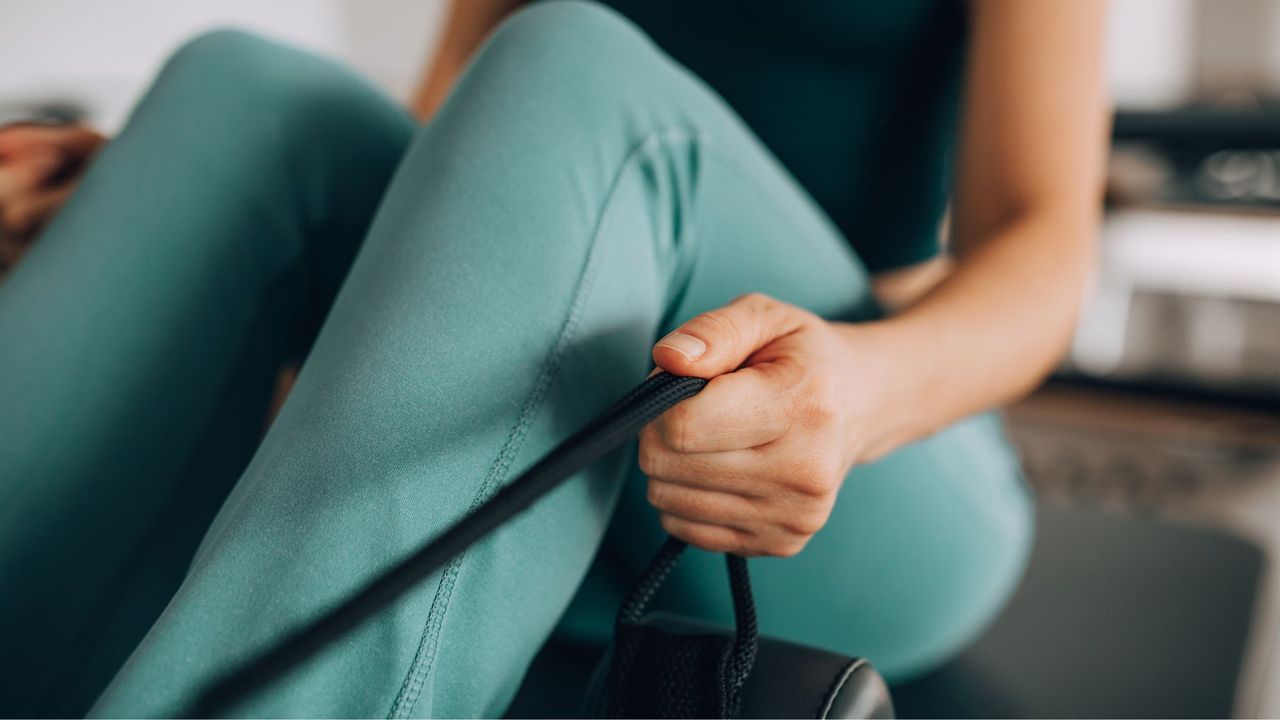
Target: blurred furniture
(1117, 617)
(1168, 409)
(1188, 290)
(1189, 463)
(1185, 298)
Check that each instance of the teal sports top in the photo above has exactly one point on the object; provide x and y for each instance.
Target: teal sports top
(857, 98)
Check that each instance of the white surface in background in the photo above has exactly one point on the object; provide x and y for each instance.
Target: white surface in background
(103, 54)
(1219, 264)
(1150, 58)
(1205, 254)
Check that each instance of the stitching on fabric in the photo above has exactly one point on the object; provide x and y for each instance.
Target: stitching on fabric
(424, 657)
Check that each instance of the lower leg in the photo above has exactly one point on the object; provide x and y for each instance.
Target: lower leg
(142, 335)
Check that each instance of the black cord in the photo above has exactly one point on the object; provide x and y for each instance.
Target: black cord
(746, 640)
(637, 601)
(607, 431)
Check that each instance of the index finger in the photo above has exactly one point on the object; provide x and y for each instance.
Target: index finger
(737, 410)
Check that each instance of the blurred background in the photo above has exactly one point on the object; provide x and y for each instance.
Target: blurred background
(1155, 450)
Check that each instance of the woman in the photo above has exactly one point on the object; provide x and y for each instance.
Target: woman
(576, 197)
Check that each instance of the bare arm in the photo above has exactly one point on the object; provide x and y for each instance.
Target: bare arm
(796, 400)
(1026, 206)
(986, 326)
(467, 25)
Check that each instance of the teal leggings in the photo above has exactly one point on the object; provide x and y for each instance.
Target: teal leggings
(466, 295)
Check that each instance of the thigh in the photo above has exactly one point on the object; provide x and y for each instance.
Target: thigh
(922, 548)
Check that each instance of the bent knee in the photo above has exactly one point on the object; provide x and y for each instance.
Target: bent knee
(567, 20)
(223, 53)
(573, 42)
(229, 65)
(252, 90)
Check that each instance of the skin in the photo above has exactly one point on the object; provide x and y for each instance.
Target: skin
(39, 168)
(752, 465)
(796, 401)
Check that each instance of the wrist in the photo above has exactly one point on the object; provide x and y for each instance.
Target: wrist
(891, 370)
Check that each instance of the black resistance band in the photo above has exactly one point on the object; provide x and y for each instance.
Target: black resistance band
(606, 432)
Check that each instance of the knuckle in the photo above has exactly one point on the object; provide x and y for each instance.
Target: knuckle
(821, 396)
(720, 324)
(673, 526)
(656, 495)
(702, 536)
(675, 426)
(803, 524)
(714, 541)
(822, 411)
(678, 500)
(811, 480)
(807, 318)
(649, 457)
(756, 299)
(762, 308)
(788, 548)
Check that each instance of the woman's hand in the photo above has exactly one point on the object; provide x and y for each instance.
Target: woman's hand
(39, 168)
(753, 463)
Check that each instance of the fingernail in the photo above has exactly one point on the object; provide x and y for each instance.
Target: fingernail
(687, 345)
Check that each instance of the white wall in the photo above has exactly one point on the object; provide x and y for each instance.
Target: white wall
(1149, 51)
(104, 53)
(390, 40)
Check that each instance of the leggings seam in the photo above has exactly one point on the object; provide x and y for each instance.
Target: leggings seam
(424, 658)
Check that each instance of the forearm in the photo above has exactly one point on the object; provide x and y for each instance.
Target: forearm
(468, 23)
(434, 87)
(1030, 160)
(984, 336)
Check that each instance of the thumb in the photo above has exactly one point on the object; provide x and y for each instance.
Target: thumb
(719, 341)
